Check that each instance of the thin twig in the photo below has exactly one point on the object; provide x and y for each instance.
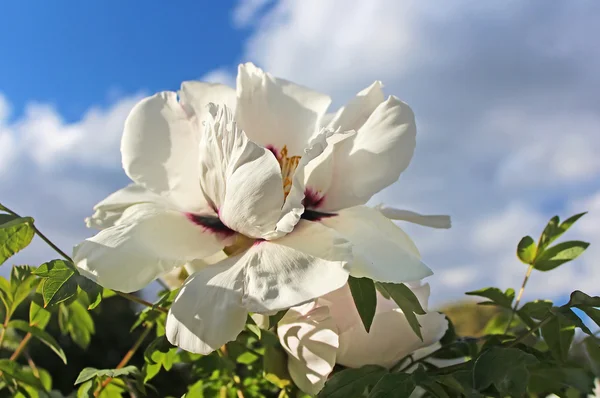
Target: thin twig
(524, 336)
(519, 296)
(21, 347)
(127, 357)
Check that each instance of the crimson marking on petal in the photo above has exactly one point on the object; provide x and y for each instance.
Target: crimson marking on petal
(313, 215)
(211, 223)
(258, 242)
(273, 150)
(312, 199)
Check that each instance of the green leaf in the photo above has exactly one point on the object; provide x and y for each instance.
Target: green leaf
(59, 283)
(547, 377)
(395, 385)
(90, 373)
(593, 313)
(41, 335)
(569, 317)
(526, 250)
(150, 370)
(537, 309)
(365, 299)
(15, 235)
(350, 383)
(580, 299)
(275, 367)
(91, 289)
(22, 283)
(450, 336)
(86, 390)
(254, 329)
(554, 230)
(14, 370)
(407, 301)
(5, 293)
(505, 368)
(274, 319)
(428, 383)
(497, 296)
(592, 349)
(77, 322)
(558, 335)
(559, 254)
(38, 315)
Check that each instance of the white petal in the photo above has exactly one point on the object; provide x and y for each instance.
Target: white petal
(109, 211)
(433, 221)
(241, 180)
(207, 312)
(382, 251)
(311, 341)
(149, 240)
(277, 112)
(197, 95)
(299, 267)
(160, 150)
(354, 115)
(373, 159)
(389, 340)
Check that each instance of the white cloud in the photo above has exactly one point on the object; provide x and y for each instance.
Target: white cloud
(504, 98)
(246, 11)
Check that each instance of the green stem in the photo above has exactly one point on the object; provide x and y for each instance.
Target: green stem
(531, 331)
(519, 296)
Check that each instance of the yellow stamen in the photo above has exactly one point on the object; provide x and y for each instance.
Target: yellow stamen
(288, 166)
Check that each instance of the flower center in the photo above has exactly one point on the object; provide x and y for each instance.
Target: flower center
(288, 166)
(241, 244)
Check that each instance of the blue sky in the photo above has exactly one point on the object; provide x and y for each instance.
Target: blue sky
(75, 54)
(505, 94)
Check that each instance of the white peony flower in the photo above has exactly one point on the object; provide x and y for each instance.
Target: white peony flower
(259, 174)
(329, 330)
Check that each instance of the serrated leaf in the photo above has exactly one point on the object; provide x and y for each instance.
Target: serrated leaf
(90, 373)
(365, 299)
(14, 370)
(559, 254)
(59, 283)
(526, 250)
(407, 301)
(395, 385)
(350, 383)
(505, 368)
(41, 335)
(497, 296)
(15, 235)
(558, 335)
